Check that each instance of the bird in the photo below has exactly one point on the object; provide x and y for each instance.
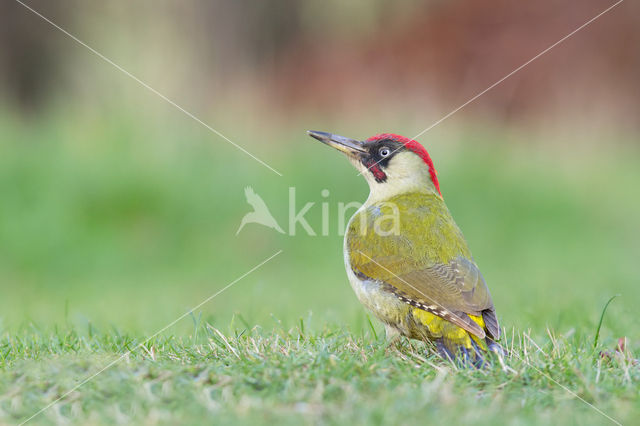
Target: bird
(260, 213)
(407, 260)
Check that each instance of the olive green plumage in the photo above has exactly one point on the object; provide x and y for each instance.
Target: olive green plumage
(427, 263)
(406, 258)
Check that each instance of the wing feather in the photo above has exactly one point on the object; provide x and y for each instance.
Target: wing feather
(431, 269)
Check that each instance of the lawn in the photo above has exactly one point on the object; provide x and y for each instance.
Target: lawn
(110, 231)
(296, 376)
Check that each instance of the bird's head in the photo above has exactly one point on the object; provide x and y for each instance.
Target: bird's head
(391, 164)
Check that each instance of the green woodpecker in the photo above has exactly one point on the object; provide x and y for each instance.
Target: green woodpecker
(406, 258)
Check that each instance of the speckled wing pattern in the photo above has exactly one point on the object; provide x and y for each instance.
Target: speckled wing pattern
(427, 264)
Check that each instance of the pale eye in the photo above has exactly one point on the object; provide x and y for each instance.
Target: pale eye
(384, 152)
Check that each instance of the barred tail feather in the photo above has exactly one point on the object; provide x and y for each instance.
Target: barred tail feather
(458, 344)
(491, 322)
(474, 356)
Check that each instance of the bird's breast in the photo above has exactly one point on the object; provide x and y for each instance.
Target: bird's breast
(382, 303)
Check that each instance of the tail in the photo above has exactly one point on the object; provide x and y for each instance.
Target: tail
(457, 344)
(472, 354)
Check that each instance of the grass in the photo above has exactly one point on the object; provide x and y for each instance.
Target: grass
(110, 230)
(292, 377)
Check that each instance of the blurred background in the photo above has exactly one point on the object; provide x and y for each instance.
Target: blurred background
(118, 210)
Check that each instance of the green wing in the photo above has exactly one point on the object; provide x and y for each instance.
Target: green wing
(412, 244)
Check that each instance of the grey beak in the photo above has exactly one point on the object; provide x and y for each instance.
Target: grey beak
(341, 143)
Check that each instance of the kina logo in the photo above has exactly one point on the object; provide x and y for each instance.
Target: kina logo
(260, 213)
